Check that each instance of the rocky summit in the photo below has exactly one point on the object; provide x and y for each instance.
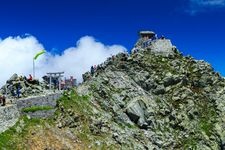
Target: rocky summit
(26, 87)
(156, 98)
(153, 98)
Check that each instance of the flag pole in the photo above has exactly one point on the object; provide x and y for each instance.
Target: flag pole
(35, 57)
(33, 69)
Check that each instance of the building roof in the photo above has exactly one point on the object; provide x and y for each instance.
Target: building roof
(50, 73)
(146, 32)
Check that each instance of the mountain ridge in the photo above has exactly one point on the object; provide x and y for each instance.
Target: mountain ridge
(158, 76)
(153, 98)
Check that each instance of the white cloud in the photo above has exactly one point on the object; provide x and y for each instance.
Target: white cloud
(16, 56)
(209, 3)
(197, 6)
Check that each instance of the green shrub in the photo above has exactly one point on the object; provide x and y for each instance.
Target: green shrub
(36, 108)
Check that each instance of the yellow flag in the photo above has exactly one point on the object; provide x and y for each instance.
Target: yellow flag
(38, 54)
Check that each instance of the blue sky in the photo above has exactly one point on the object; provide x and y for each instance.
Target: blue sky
(196, 27)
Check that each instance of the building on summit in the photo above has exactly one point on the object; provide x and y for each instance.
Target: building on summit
(146, 34)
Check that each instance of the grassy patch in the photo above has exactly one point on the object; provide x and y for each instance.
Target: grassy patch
(81, 107)
(190, 143)
(71, 100)
(15, 137)
(206, 126)
(36, 108)
(206, 123)
(207, 116)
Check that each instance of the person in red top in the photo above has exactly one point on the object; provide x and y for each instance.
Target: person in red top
(30, 77)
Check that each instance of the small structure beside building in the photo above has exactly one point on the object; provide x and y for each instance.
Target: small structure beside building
(70, 83)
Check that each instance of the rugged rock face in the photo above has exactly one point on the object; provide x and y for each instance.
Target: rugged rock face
(157, 98)
(25, 87)
(8, 117)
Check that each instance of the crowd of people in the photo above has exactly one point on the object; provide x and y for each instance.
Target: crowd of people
(95, 69)
(144, 42)
(148, 41)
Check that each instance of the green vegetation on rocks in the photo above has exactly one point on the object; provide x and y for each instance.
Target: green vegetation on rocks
(175, 100)
(16, 136)
(36, 108)
(75, 112)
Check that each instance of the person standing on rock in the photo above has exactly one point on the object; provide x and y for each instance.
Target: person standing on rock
(55, 83)
(155, 37)
(30, 78)
(18, 87)
(2, 99)
(162, 37)
(62, 85)
(92, 70)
